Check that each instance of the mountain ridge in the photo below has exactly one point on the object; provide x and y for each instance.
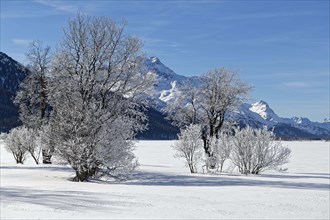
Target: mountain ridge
(256, 115)
(166, 88)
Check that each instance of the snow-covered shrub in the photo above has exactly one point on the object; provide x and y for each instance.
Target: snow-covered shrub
(30, 141)
(256, 150)
(221, 148)
(15, 144)
(190, 146)
(22, 141)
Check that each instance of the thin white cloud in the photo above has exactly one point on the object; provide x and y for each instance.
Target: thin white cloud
(296, 85)
(21, 42)
(59, 5)
(49, 8)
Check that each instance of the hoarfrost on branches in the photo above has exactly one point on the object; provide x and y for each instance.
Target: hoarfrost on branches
(221, 90)
(189, 146)
(97, 97)
(32, 97)
(255, 150)
(221, 149)
(15, 143)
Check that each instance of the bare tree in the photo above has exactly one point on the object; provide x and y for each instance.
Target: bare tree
(220, 91)
(32, 97)
(15, 145)
(255, 150)
(97, 91)
(189, 146)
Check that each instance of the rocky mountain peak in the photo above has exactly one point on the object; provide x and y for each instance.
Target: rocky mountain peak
(263, 109)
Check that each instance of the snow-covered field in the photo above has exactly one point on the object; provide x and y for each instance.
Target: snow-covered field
(163, 188)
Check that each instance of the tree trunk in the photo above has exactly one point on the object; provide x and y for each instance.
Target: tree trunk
(206, 145)
(35, 159)
(209, 154)
(18, 158)
(221, 165)
(46, 156)
(192, 169)
(84, 175)
(81, 177)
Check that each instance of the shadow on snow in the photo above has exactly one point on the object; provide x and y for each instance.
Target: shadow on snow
(207, 180)
(39, 167)
(64, 200)
(263, 180)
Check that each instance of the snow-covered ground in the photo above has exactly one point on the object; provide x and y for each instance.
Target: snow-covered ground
(163, 188)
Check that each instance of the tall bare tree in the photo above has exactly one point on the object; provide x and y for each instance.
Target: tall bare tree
(96, 95)
(221, 90)
(32, 97)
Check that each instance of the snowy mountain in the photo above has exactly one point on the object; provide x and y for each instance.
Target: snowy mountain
(260, 114)
(167, 83)
(166, 89)
(255, 115)
(262, 108)
(317, 128)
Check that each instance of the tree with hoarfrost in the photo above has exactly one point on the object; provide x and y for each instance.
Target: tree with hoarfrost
(255, 150)
(221, 90)
(221, 149)
(189, 146)
(32, 97)
(96, 96)
(29, 139)
(15, 144)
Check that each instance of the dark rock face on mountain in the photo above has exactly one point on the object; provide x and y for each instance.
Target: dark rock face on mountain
(11, 75)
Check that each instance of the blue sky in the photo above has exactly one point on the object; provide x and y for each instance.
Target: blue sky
(279, 47)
